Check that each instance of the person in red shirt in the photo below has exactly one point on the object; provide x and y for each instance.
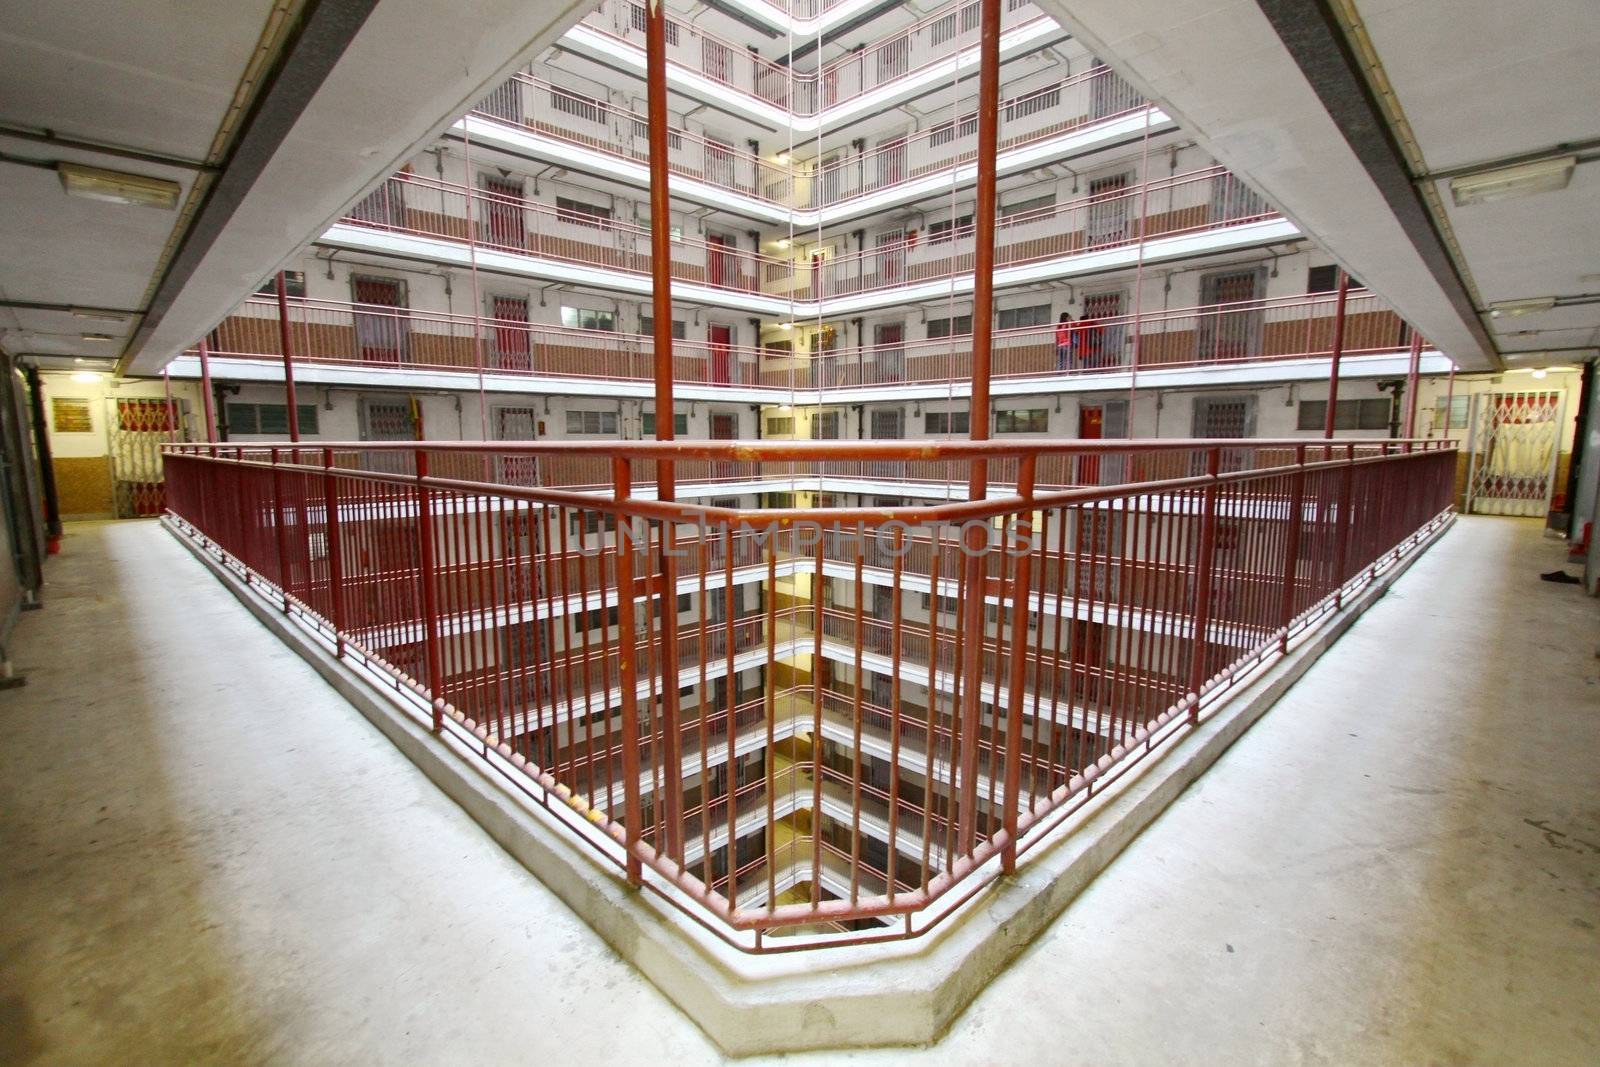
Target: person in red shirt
(1066, 342)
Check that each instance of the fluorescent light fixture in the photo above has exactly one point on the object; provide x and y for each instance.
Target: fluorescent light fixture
(86, 376)
(785, 325)
(1512, 308)
(783, 242)
(1504, 183)
(117, 187)
(782, 157)
(98, 316)
(97, 337)
(1540, 372)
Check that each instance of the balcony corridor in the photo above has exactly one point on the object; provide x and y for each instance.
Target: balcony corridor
(210, 857)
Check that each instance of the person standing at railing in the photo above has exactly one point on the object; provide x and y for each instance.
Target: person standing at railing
(1066, 342)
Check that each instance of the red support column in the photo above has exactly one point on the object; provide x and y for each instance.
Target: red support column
(973, 540)
(666, 489)
(428, 577)
(288, 357)
(1338, 351)
(628, 675)
(1202, 583)
(207, 395)
(1410, 429)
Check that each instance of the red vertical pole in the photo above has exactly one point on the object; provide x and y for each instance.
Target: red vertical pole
(428, 576)
(206, 394)
(627, 669)
(1202, 583)
(978, 418)
(1346, 521)
(661, 307)
(172, 415)
(287, 339)
(1410, 429)
(1338, 351)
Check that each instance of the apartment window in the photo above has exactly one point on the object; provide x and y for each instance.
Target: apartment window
(647, 326)
(592, 423)
(588, 319)
(1028, 207)
(685, 603)
(294, 284)
(584, 214)
(593, 522)
(1024, 106)
(575, 104)
(888, 425)
(269, 418)
(959, 326)
(825, 426)
(943, 422)
(947, 604)
(1323, 279)
(950, 129)
(1022, 420)
(597, 618)
(780, 426)
(1017, 318)
(1370, 414)
(636, 18)
(939, 232)
(1458, 413)
(647, 424)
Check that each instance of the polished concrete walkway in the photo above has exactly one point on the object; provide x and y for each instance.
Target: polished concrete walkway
(207, 857)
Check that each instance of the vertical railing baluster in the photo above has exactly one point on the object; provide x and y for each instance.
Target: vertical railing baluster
(428, 575)
(330, 506)
(628, 675)
(1019, 657)
(1202, 579)
(1291, 561)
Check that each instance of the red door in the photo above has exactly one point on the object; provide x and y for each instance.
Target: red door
(512, 349)
(719, 263)
(381, 323)
(720, 339)
(1091, 427)
(503, 221)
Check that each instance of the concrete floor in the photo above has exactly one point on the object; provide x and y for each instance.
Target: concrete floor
(1400, 864)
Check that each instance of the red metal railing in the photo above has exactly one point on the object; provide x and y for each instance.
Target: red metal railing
(1073, 105)
(824, 755)
(370, 335)
(1210, 199)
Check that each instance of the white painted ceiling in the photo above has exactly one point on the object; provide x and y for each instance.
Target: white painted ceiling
(157, 77)
(1478, 80)
(1482, 82)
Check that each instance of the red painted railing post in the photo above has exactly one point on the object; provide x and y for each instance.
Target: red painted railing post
(1021, 582)
(279, 532)
(1202, 582)
(1345, 519)
(1291, 552)
(428, 575)
(330, 511)
(628, 672)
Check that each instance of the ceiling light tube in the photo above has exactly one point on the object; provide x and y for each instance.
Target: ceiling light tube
(118, 187)
(1505, 183)
(1513, 308)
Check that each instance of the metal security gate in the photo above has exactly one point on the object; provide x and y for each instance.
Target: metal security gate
(1513, 439)
(139, 426)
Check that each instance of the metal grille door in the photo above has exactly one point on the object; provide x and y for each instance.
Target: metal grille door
(139, 427)
(1514, 444)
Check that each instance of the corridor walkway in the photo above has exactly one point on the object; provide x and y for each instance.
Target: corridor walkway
(208, 857)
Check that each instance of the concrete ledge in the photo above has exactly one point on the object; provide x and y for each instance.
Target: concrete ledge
(901, 993)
